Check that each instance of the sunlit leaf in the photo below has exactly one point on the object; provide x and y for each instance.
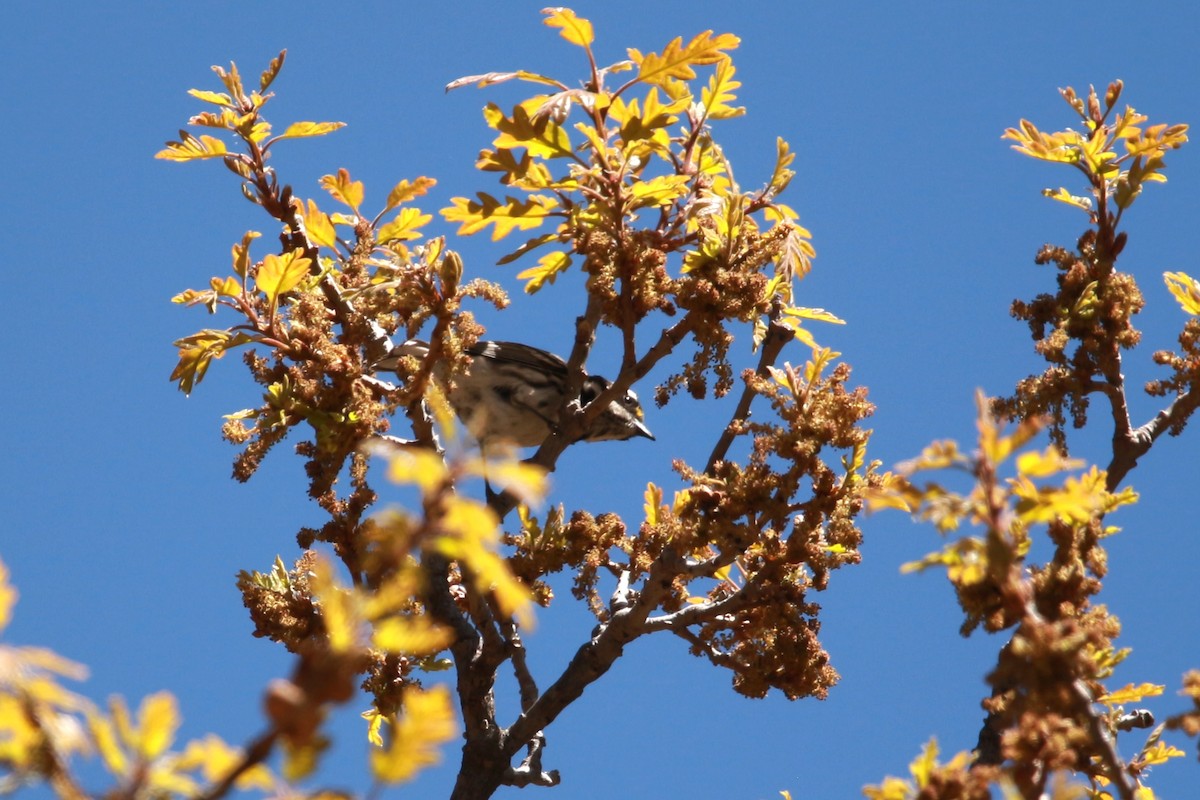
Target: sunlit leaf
(512, 214)
(426, 722)
(404, 191)
(492, 78)
(280, 274)
(1063, 196)
(541, 136)
(1186, 290)
(660, 191)
(192, 148)
(272, 71)
(216, 759)
(216, 98)
(653, 503)
(318, 226)
(158, 719)
(299, 130)
(343, 189)
(677, 60)
(548, 268)
(341, 610)
(719, 93)
(411, 636)
(1046, 463)
(198, 350)
(8, 597)
(576, 30)
(1130, 694)
(421, 467)
(405, 227)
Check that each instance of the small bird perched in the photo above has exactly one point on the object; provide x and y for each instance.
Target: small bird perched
(513, 393)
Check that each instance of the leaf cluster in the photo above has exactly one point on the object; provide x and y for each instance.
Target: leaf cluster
(1051, 708)
(1082, 328)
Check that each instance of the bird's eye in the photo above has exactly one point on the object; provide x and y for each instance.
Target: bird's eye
(629, 400)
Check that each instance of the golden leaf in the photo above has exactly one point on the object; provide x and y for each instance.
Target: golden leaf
(280, 274)
(403, 227)
(158, 719)
(575, 30)
(299, 130)
(404, 191)
(427, 721)
(548, 268)
(343, 189)
(192, 148)
(1186, 290)
(677, 60)
(1130, 694)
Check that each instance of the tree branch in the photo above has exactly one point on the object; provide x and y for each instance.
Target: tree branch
(777, 336)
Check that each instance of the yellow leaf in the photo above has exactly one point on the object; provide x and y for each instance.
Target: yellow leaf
(105, 737)
(216, 98)
(1159, 753)
(819, 314)
(404, 191)
(192, 148)
(423, 467)
(1044, 464)
(1130, 694)
(660, 191)
(340, 608)
(281, 274)
(471, 539)
(427, 722)
(654, 497)
(414, 636)
(241, 253)
(719, 93)
(343, 189)
(298, 130)
(403, 227)
(8, 597)
(540, 136)
(511, 215)
(226, 287)
(548, 268)
(925, 764)
(526, 482)
(1063, 196)
(198, 350)
(677, 60)
(158, 719)
(1064, 147)
(1186, 290)
(575, 30)
(215, 759)
(890, 789)
(375, 722)
(318, 226)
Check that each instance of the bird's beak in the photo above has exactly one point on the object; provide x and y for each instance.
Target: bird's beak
(641, 430)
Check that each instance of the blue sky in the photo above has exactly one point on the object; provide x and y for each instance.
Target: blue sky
(123, 530)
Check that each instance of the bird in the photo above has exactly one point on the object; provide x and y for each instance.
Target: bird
(513, 393)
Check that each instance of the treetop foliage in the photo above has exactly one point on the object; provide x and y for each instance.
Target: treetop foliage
(621, 178)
